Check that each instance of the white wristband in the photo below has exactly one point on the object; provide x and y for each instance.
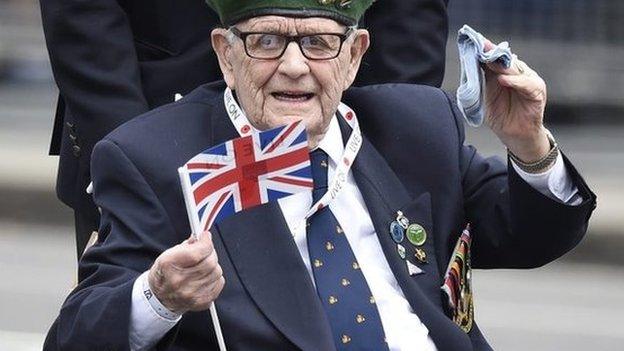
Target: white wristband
(155, 303)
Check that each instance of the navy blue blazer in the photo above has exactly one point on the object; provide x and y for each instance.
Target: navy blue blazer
(413, 159)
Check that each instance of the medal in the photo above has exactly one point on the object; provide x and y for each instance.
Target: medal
(401, 251)
(412, 269)
(420, 255)
(416, 234)
(398, 226)
(402, 220)
(397, 232)
(457, 283)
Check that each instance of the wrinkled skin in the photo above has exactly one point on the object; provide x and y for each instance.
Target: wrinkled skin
(256, 81)
(515, 103)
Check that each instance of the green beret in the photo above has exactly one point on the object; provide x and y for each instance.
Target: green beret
(347, 12)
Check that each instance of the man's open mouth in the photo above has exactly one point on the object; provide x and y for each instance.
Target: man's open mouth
(292, 96)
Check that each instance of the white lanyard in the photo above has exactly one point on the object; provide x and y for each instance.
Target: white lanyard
(236, 114)
(244, 128)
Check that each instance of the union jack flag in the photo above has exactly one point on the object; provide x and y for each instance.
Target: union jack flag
(245, 172)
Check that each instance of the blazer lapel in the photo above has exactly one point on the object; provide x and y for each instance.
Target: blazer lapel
(269, 265)
(384, 195)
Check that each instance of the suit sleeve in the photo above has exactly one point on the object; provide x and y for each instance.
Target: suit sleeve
(513, 224)
(95, 64)
(134, 230)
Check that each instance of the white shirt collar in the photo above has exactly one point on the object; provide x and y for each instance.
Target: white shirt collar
(332, 142)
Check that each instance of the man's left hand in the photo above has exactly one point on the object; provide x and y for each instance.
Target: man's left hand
(515, 102)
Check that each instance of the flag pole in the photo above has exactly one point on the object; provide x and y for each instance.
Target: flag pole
(196, 231)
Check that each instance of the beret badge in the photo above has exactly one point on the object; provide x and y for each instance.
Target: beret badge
(338, 3)
(347, 12)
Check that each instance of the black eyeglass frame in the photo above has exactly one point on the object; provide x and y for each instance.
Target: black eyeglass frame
(289, 39)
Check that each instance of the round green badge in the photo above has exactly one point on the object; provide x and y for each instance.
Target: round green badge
(416, 234)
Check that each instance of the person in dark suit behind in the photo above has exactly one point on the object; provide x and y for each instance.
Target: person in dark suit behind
(408, 43)
(363, 272)
(113, 60)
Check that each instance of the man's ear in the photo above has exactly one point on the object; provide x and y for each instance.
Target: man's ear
(361, 42)
(223, 48)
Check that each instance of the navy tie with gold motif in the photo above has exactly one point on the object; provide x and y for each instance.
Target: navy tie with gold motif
(340, 284)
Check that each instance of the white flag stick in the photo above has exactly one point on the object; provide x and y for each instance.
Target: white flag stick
(196, 232)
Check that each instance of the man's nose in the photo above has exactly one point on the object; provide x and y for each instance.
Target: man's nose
(293, 63)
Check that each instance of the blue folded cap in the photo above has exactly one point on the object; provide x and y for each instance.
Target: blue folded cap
(471, 46)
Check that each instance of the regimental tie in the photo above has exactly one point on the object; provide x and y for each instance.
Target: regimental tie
(340, 284)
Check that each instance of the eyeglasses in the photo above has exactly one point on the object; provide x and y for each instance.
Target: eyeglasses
(270, 46)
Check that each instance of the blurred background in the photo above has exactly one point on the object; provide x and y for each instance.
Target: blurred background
(574, 304)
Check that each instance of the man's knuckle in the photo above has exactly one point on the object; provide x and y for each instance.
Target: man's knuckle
(213, 261)
(208, 247)
(218, 271)
(212, 278)
(163, 260)
(218, 288)
(168, 266)
(220, 283)
(196, 256)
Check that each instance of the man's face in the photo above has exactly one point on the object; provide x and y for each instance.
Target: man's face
(292, 87)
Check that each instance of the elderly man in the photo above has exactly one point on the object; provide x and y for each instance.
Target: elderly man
(364, 272)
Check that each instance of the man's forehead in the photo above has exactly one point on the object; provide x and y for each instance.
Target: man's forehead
(290, 24)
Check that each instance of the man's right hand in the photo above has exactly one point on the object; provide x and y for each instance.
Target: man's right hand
(187, 277)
